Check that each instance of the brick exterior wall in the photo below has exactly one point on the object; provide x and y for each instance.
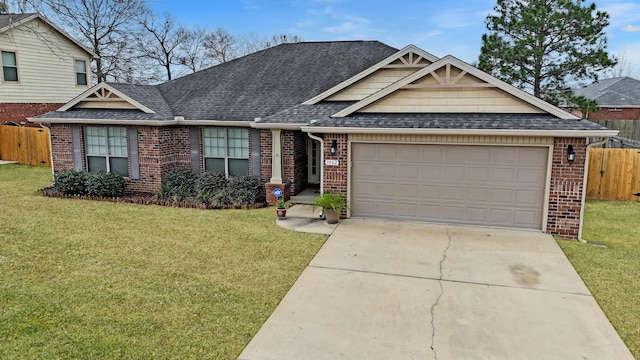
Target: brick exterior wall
(19, 112)
(266, 143)
(335, 176)
(294, 158)
(567, 185)
(623, 114)
(62, 153)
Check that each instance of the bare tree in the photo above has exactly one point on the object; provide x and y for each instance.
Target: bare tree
(221, 46)
(164, 40)
(192, 50)
(622, 67)
(252, 43)
(4, 8)
(107, 27)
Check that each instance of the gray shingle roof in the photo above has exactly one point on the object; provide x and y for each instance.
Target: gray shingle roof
(8, 19)
(458, 121)
(620, 91)
(271, 80)
(304, 114)
(148, 96)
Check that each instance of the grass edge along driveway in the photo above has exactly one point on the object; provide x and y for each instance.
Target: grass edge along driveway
(95, 280)
(612, 274)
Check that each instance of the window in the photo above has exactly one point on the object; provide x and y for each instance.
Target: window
(81, 72)
(107, 149)
(9, 66)
(226, 150)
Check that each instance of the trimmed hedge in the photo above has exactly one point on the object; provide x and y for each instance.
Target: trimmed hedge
(100, 183)
(211, 189)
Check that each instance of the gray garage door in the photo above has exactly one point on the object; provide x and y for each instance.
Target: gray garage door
(466, 184)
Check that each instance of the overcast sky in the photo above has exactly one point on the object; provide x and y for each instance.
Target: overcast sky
(434, 26)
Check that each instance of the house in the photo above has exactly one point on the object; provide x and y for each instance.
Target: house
(42, 67)
(618, 99)
(402, 133)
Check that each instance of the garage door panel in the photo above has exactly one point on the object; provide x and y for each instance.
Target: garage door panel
(387, 171)
(455, 173)
(453, 193)
(409, 172)
(482, 185)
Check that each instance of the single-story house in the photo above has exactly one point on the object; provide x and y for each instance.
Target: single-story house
(402, 134)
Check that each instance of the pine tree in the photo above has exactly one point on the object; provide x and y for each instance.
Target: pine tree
(545, 46)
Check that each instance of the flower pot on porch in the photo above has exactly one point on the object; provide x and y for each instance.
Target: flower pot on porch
(332, 216)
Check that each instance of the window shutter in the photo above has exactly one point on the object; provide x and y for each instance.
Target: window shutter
(194, 142)
(76, 144)
(255, 153)
(134, 157)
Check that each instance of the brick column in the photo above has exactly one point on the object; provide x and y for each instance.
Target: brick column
(335, 176)
(567, 185)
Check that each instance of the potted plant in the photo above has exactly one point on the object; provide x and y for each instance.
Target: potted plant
(281, 208)
(332, 204)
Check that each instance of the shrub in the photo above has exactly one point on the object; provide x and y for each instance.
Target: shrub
(208, 185)
(104, 184)
(70, 182)
(180, 178)
(246, 190)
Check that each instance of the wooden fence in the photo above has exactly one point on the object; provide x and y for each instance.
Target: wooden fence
(614, 174)
(26, 145)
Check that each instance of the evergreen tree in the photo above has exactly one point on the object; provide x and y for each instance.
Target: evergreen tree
(545, 46)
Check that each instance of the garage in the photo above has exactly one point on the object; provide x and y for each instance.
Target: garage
(462, 184)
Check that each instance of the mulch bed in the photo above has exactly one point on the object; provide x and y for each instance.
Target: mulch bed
(140, 198)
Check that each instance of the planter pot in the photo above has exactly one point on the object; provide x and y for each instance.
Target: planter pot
(282, 213)
(332, 216)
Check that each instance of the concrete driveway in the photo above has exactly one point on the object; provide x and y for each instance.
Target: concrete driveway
(392, 290)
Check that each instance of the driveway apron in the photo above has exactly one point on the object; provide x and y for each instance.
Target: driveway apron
(396, 290)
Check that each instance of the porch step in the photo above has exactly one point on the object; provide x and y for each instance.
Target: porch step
(305, 197)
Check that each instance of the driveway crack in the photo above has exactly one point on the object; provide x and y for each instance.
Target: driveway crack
(433, 307)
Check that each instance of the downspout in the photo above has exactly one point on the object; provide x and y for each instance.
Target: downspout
(317, 138)
(584, 186)
(53, 174)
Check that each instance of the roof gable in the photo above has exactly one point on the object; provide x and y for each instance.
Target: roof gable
(10, 21)
(398, 65)
(451, 85)
(105, 96)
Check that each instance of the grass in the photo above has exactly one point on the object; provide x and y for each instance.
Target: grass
(612, 274)
(95, 280)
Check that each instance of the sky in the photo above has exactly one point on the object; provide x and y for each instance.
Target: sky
(435, 26)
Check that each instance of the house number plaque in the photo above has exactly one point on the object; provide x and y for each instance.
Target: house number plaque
(331, 162)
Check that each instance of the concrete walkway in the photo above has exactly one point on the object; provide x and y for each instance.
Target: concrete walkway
(391, 290)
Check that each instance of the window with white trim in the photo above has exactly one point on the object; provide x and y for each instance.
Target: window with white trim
(106, 149)
(9, 66)
(81, 72)
(226, 150)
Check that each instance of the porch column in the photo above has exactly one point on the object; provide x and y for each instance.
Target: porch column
(276, 157)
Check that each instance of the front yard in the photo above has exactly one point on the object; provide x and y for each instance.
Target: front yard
(95, 280)
(612, 274)
(90, 280)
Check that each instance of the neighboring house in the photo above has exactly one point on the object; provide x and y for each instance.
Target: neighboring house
(42, 67)
(402, 133)
(618, 99)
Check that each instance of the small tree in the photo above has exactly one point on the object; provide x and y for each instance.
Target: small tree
(545, 46)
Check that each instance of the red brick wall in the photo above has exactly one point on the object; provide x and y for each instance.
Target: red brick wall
(62, 147)
(294, 159)
(565, 193)
(266, 143)
(624, 114)
(335, 176)
(19, 112)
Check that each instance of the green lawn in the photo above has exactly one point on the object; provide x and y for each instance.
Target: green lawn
(98, 280)
(612, 273)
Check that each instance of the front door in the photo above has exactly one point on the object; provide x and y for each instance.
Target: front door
(313, 161)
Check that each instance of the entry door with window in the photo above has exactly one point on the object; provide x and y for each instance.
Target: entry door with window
(313, 161)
